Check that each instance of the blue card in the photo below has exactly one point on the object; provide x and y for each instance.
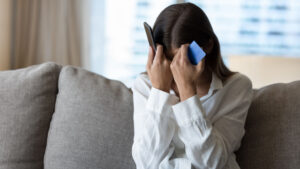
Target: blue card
(195, 53)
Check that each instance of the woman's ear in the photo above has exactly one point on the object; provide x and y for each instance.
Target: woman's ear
(209, 46)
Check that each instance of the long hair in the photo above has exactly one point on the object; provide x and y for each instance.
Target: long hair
(183, 23)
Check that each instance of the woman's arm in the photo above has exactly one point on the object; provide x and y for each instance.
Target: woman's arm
(154, 128)
(209, 145)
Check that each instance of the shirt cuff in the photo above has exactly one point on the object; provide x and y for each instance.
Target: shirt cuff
(160, 101)
(188, 111)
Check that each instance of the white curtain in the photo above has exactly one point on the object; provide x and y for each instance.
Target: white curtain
(49, 30)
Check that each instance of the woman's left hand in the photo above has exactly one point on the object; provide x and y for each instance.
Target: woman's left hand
(185, 73)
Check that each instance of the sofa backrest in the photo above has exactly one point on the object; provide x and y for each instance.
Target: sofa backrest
(272, 138)
(27, 100)
(92, 124)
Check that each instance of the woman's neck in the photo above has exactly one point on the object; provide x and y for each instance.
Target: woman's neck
(203, 84)
(205, 78)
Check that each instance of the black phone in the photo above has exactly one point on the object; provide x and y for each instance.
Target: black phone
(150, 37)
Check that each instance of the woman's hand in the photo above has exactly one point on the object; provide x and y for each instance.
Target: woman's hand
(185, 74)
(158, 69)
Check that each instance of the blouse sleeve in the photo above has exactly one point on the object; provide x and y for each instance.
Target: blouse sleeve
(154, 128)
(208, 145)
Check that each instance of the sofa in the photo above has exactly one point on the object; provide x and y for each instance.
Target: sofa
(66, 117)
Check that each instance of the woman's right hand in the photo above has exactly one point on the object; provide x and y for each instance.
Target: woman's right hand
(158, 69)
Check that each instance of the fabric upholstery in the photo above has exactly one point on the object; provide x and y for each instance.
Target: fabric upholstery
(27, 100)
(272, 133)
(92, 126)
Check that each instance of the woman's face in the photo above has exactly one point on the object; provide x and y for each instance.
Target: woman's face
(171, 53)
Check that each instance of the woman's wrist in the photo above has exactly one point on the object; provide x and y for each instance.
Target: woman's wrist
(165, 89)
(187, 93)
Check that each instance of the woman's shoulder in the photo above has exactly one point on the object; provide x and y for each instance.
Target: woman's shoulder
(238, 79)
(142, 82)
(143, 78)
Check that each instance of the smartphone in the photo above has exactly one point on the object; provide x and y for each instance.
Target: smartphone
(195, 53)
(150, 37)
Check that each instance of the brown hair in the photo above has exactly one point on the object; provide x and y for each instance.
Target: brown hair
(183, 23)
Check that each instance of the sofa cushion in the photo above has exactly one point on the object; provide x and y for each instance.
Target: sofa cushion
(27, 99)
(272, 133)
(92, 126)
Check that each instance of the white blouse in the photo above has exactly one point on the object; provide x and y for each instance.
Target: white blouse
(200, 133)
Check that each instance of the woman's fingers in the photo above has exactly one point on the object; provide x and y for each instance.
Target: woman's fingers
(184, 51)
(177, 55)
(159, 53)
(200, 66)
(159, 70)
(175, 58)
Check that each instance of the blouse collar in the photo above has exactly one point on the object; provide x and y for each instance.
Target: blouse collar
(216, 82)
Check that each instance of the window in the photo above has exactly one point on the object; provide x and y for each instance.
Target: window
(258, 27)
(119, 46)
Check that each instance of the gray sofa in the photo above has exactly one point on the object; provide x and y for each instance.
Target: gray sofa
(64, 117)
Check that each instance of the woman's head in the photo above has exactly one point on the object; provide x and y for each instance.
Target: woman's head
(183, 23)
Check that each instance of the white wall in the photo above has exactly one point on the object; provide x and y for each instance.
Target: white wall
(5, 30)
(265, 70)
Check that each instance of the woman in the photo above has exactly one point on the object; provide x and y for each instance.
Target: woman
(188, 116)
